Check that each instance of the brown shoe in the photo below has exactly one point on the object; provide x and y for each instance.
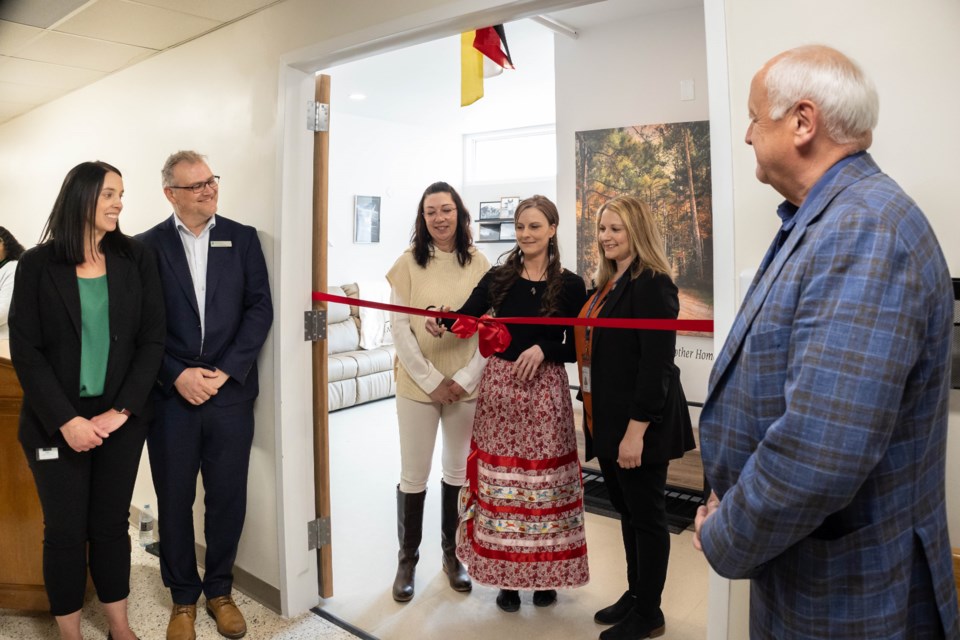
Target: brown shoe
(230, 623)
(182, 617)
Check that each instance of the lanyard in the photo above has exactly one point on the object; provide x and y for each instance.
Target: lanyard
(596, 297)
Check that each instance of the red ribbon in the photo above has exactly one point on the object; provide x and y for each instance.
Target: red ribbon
(492, 330)
(494, 337)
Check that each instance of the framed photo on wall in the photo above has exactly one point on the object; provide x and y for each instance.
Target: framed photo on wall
(508, 206)
(489, 232)
(508, 231)
(490, 210)
(366, 219)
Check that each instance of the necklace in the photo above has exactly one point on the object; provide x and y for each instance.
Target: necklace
(533, 288)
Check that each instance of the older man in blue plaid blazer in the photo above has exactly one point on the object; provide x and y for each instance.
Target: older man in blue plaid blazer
(823, 433)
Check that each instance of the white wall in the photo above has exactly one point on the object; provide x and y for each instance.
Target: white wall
(628, 73)
(388, 159)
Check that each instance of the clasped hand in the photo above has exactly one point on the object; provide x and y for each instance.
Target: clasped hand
(82, 434)
(447, 392)
(197, 385)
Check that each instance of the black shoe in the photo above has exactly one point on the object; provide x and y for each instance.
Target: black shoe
(544, 598)
(508, 600)
(617, 611)
(636, 627)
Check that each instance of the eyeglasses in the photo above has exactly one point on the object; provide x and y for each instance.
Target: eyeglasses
(213, 183)
(444, 210)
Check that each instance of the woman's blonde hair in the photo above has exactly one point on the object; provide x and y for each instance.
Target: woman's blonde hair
(646, 243)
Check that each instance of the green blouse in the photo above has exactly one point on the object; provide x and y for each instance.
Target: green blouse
(94, 335)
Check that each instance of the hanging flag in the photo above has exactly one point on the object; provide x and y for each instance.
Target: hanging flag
(471, 70)
(492, 42)
(490, 68)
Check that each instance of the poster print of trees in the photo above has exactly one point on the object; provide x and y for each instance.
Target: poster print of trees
(668, 166)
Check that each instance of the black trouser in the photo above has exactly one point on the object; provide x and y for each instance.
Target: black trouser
(86, 501)
(638, 496)
(215, 442)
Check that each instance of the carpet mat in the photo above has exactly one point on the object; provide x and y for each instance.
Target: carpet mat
(681, 503)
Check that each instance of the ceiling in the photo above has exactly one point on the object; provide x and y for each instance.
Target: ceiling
(51, 47)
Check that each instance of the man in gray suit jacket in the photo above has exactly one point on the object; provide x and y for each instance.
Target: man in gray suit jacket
(823, 433)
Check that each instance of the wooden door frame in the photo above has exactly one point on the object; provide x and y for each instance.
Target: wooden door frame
(321, 423)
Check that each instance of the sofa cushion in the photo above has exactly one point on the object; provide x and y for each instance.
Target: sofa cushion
(376, 386)
(341, 367)
(342, 337)
(374, 360)
(337, 312)
(341, 394)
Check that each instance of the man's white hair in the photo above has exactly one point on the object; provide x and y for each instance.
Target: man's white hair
(845, 96)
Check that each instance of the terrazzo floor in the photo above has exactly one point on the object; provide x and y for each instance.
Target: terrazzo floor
(365, 548)
(149, 611)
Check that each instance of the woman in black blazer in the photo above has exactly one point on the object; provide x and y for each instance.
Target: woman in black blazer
(635, 415)
(86, 339)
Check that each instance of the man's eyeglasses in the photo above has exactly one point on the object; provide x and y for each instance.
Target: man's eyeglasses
(213, 183)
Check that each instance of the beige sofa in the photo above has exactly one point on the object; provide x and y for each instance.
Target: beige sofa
(357, 374)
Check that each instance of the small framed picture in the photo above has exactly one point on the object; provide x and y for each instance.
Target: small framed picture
(489, 232)
(366, 219)
(508, 206)
(490, 210)
(508, 231)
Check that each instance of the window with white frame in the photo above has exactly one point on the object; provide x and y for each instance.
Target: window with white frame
(527, 153)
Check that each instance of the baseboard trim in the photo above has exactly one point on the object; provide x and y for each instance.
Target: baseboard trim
(243, 581)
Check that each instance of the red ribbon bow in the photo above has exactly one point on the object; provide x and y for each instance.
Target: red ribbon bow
(494, 337)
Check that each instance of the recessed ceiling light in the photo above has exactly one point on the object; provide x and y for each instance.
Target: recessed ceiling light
(358, 96)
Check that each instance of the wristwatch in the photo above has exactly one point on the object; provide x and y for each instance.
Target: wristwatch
(125, 412)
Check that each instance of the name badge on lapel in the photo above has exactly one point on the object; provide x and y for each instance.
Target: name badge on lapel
(221, 243)
(51, 453)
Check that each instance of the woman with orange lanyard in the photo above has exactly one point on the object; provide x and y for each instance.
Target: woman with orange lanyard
(635, 416)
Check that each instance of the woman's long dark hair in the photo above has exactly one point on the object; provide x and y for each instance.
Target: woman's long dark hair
(421, 240)
(511, 263)
(11, 248)
(72, 221)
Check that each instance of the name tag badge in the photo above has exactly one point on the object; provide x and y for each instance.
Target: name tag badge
(585, 380)
(221, 243)
(51, 453)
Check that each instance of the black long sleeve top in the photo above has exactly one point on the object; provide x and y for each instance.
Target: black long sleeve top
(523, 300)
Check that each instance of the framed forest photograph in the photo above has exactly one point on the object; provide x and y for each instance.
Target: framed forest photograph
(667, 166)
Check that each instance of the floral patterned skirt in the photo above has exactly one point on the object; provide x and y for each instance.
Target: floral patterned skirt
(521, 523)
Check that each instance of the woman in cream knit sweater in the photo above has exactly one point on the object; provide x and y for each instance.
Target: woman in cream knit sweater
(436, 379)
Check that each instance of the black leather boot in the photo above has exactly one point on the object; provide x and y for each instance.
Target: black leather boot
(409, 533)
(449, 519)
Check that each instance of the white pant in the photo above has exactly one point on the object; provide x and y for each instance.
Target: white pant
(418, 435)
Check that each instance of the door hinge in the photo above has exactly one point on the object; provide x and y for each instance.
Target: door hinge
(318, 533)
(314, 325)
(318, 116)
